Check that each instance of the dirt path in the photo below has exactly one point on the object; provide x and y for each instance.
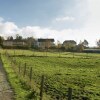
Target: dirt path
(5, 89)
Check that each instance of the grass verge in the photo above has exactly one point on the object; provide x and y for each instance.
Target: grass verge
(21, 90)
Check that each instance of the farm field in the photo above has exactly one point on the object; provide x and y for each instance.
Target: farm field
(79, 71)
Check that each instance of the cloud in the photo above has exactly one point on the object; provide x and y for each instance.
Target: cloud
(1, 19)
(93, 23)
(8, 28)
(67, 18)
(39, 32)
(91, 27)
(11, 29)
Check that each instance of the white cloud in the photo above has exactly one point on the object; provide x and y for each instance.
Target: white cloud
(38, 32)
(1, 19)
(91, 27)
(8, 28)
(66, 18)
(11, 29)
(93, 22)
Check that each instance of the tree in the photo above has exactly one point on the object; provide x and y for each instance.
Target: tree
(80, 47)
(10, 38)
(47, 44)
(85, 43)
(30, 41)
(98, 43)
(59, 44)
(18, 37)
(69, 45)
(1, 40)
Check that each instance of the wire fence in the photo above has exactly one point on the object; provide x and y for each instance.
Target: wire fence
(51, 85)
(41, 81)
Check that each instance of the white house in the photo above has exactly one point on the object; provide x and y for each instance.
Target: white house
(44, 43)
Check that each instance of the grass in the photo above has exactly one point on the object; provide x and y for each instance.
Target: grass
(21, 89)
(81, 73)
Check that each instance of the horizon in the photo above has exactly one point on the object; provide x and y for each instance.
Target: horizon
(59, 19)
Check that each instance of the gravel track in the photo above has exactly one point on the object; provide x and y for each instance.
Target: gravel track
(6, 92)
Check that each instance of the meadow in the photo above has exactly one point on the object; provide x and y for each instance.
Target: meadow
(79, 71)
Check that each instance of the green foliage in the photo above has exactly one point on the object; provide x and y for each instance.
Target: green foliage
(85, 43)
(69, 45)
(1, 40)
(98, 43)
(18, 37)
(32, 94)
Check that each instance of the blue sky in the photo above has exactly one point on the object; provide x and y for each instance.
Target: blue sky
(37, 12)
(59, 19)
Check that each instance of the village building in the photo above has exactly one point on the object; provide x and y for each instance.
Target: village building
(44, 43)
(12, 43)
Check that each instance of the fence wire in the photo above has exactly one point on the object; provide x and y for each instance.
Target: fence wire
(56, 84)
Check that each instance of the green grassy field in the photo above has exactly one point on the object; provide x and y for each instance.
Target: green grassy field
(80, 71)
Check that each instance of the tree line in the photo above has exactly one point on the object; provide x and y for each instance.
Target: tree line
(18, 38)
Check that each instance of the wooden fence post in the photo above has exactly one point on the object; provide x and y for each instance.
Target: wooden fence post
(30, 73)
(69, 93)
(41, 88)
(25, 70)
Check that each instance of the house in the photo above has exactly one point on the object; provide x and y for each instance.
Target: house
(12, 43)
(44, 43)
(68, 44)
(7, 43)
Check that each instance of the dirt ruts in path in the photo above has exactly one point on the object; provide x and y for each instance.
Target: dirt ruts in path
(6, 92)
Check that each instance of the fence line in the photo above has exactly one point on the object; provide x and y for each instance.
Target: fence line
(13, 62)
